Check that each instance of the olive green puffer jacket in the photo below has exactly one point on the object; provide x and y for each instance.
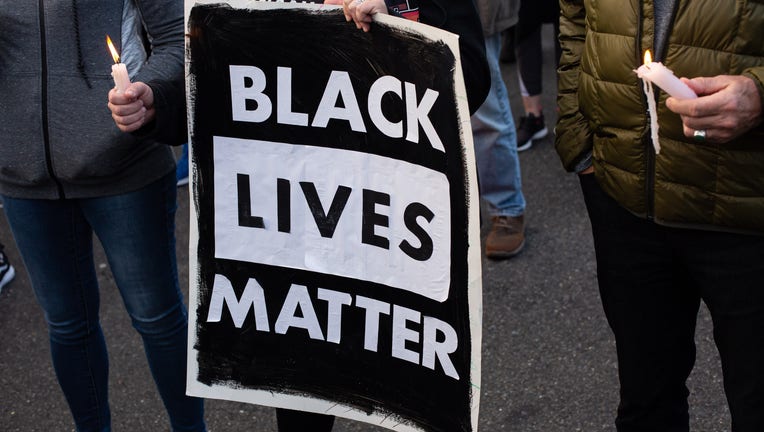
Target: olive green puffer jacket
(603, 110)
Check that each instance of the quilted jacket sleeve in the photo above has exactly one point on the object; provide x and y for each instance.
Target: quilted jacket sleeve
(573, 135)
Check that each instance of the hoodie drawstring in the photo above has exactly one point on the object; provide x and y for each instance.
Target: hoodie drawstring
(80, 60)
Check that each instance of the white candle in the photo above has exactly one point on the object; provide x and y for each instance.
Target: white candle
(121, 79)
(118, 70)
(655, 73)
(664, 78)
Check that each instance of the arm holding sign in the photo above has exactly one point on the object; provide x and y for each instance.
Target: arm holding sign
(456, 16)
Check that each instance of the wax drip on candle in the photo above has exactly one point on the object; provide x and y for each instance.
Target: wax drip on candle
(652, 110)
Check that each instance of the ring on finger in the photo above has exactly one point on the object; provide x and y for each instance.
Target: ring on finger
(699, 135)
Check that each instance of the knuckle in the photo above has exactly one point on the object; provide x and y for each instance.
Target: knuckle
(729, 123)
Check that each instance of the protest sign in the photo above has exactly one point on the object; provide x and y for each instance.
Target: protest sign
(335, 262)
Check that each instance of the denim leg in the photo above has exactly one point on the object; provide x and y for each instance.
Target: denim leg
(493, 131)
(56, 245)
(137, 231)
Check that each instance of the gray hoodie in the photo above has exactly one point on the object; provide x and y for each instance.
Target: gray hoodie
(57, 137)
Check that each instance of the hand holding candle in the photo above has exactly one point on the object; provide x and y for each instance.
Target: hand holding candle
(133, 108)
(118, 70)
(131, 105)
(727, 107)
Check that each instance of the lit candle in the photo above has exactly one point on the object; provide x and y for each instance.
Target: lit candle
(664, 78)
(118, 70)
(655, 73)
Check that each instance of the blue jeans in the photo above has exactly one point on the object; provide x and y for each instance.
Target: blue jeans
(137, 231)
(493, 131)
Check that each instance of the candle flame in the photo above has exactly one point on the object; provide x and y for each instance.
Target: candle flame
(648, 58)
(114, 53)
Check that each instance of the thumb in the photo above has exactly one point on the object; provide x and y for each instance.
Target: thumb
(136, 90)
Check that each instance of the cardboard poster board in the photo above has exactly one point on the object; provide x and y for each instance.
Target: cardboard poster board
(335, 261)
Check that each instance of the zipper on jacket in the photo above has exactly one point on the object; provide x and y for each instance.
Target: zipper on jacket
(44, 99)
(650, 178)
(647, 144)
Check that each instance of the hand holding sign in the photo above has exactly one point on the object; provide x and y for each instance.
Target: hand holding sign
(361, 11)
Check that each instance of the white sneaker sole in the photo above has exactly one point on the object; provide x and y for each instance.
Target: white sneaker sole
(7, 277)
(538, 135)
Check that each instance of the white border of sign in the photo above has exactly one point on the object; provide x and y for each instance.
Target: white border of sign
(267, 398)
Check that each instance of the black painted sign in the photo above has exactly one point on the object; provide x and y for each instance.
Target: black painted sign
(332, 184)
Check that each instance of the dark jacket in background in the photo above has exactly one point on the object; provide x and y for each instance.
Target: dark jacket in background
(459, 17)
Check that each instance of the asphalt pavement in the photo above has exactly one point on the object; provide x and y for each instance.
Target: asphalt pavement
(549, 362)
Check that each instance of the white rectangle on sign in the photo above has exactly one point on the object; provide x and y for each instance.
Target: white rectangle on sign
(394, 227)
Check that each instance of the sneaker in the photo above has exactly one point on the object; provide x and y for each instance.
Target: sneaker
(7, 272)
(506, 238)
(530, 128)
(181, 167)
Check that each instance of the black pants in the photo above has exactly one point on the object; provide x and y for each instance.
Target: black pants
(652, 279)
(300, 421)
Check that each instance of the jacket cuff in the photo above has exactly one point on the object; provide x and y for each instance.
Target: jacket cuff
(584, 162)
(169, 125)
(757, 75)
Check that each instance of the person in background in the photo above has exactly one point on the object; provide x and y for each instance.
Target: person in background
(68, 172)
(527, 39)
(457, 16)
(508, 47)
(495, 140)
(683, 225)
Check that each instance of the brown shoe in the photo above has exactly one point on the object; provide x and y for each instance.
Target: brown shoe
(506, 238)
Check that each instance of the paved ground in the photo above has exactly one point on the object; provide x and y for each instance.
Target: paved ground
(548, 356)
